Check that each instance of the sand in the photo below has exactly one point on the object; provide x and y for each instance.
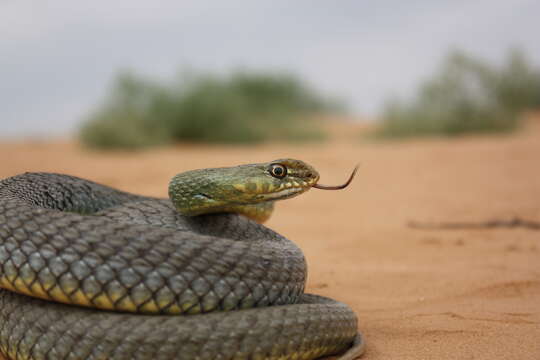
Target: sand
(419, 293)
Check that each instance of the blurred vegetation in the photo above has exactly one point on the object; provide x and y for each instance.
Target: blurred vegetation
(244, 107)
(467, 95)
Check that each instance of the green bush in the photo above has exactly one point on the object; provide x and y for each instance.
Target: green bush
(244, 107)
(467, 95)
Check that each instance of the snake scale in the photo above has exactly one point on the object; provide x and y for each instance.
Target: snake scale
(91, 272)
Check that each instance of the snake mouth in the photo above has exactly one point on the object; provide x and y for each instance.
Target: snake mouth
(287, 192)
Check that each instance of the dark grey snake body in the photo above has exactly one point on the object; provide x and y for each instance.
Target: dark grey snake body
(70, 239)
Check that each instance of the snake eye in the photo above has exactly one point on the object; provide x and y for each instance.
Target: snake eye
(278, 170)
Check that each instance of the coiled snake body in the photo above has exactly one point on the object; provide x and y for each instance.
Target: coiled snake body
(129, 263)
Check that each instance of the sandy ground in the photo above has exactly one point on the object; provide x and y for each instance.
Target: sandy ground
(419, 294)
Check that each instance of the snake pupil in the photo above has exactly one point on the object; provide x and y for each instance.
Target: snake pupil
(278, 170)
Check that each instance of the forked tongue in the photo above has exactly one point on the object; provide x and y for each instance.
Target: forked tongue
(337, 187)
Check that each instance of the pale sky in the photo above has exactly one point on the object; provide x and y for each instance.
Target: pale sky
(57, 58)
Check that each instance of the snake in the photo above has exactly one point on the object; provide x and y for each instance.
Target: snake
(88, 271)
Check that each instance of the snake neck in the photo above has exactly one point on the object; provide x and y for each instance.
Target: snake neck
(193, 198)
(259, 212)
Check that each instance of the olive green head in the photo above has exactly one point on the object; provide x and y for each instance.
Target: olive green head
(229, 189)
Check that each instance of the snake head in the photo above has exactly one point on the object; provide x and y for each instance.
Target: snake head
(244, 189)
(279, 179)
(225, 189)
